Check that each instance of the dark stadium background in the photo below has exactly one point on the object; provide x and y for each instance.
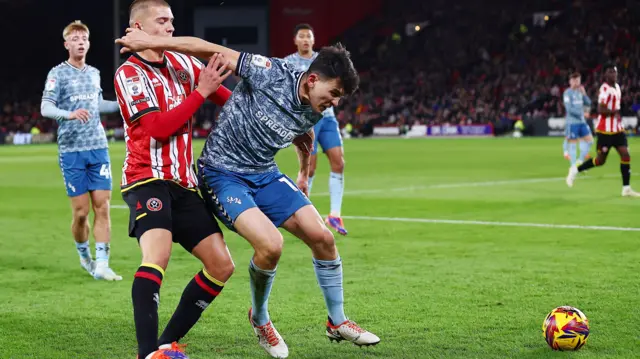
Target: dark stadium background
(470, 63)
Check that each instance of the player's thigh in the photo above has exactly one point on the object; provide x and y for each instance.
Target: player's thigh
(225, 194)
(192, 221)
(99, 170)
(307, 225)
(336, 159)
(584, 132)
(254, 226)
(149, 208)
(74, 173)
(280, 198)
(329, 136)
(155, 245)
(621, 144)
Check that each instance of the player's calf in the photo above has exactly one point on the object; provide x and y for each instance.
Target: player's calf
(201, 291)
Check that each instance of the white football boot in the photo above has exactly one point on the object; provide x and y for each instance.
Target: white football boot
(351, 332)
(571, 177)
(270, 339)
(628, 192)
(103, 272)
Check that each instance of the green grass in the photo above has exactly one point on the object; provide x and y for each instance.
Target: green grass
(429, 290)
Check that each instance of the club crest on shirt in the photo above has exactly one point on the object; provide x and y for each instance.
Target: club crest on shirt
(183, 76)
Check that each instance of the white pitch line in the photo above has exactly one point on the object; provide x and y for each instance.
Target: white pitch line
(460, 185)
(488, 223)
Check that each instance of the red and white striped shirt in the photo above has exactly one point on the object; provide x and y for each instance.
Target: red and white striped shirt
(142, 88)
(610, 97)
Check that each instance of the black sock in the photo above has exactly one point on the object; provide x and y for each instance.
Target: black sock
(145, 294)
(197, 296)
(625, 169)
(587, 165)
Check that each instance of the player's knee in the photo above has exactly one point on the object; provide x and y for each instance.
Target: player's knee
(337, 165)
(312, 171)
(323, 240)
(625, 157)
(221, 270)
(272, 249)
(601, 159)
(159, 258)
(80, 213)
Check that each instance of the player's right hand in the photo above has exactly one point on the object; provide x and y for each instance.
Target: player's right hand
(212, 76)
(80, 114)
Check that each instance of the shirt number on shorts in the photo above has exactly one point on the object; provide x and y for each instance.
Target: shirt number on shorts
(105, 171)
(286, 180)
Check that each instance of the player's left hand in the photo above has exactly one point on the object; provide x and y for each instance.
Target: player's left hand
(134, 41)
(303, 183)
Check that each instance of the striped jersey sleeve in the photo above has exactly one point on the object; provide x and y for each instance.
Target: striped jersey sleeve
(136, 96)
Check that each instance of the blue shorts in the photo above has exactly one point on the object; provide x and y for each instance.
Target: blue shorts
(327, 133)
(86, 171)
(578, 130)
(228, 194)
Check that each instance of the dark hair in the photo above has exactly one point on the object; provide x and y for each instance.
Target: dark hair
(574, 75)
(301, 27)
(334, 62)
(608, 65)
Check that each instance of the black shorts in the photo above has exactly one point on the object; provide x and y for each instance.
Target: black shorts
(166, 205)
(606, 142)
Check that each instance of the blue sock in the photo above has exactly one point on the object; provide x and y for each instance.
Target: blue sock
(83, 250)
(565, 146)
(336, 191)
(584, 149)
(261, 281)
(573, 152)
(329, 275)
(310, 184)
(102, 253)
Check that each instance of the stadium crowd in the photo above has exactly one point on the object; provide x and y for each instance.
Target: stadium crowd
(466, 64)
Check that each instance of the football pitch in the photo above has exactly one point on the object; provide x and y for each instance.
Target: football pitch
(457, 248)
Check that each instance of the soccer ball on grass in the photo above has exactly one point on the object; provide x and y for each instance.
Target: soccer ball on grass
(566, 328)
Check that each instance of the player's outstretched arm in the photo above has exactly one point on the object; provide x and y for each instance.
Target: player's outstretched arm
(137, 40)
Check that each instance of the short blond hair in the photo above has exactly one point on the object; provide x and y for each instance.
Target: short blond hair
(140, 5)
(74, 26)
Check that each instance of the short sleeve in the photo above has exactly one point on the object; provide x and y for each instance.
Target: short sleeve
(260, 71)
(52, 85)
(135, 94)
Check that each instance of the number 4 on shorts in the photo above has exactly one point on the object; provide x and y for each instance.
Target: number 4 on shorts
(286, 180)
(105, 171)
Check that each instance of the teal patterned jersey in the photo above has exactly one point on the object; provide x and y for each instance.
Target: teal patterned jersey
(70, 88)
(263, 115)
